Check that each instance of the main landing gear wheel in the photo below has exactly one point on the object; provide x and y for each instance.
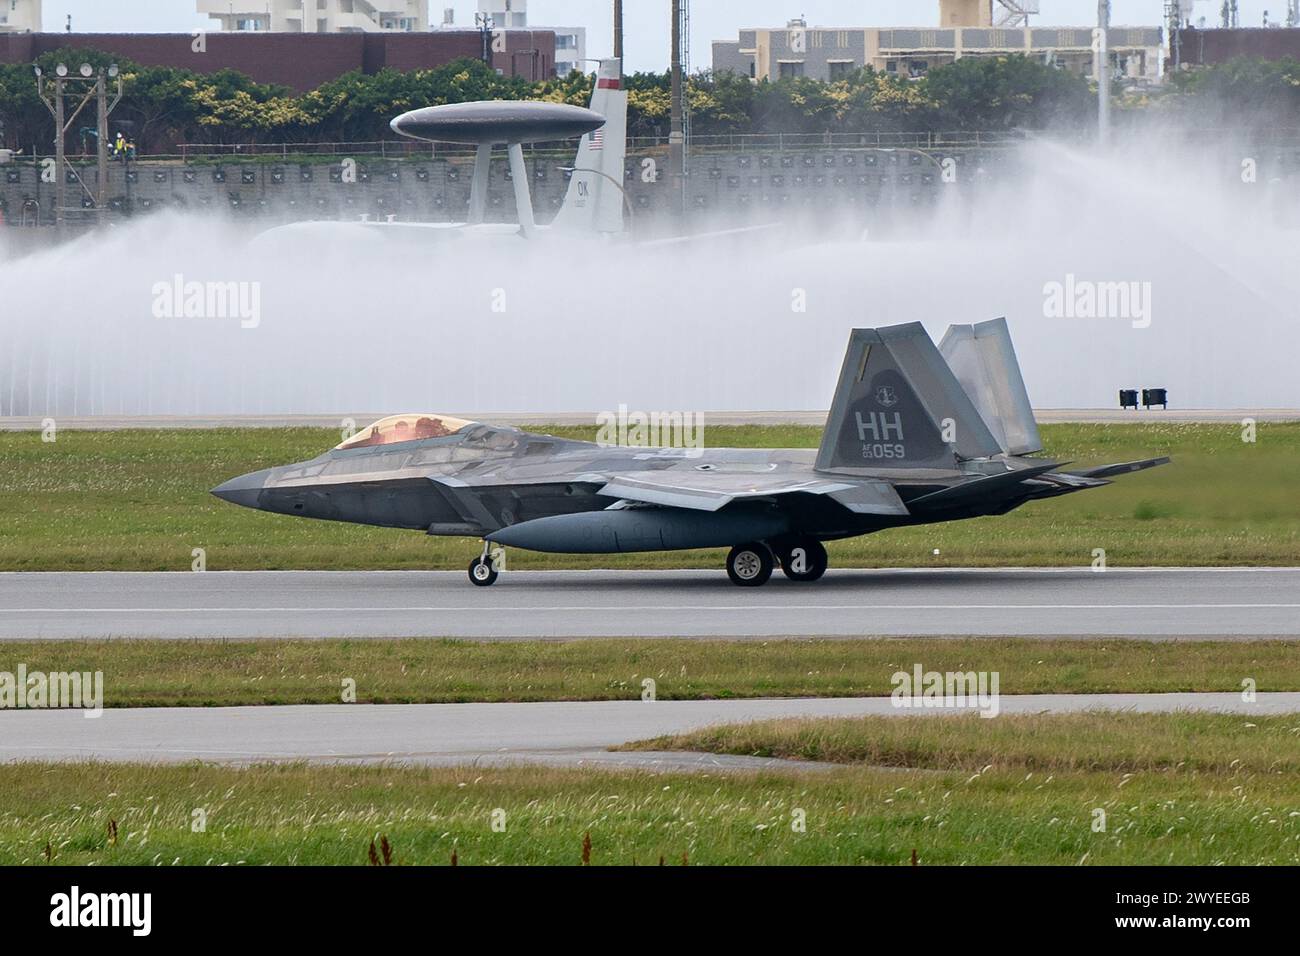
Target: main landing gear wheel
(804, 559)
(750, 565)
(481, 572)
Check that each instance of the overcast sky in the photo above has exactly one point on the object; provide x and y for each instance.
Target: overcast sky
(647, 21)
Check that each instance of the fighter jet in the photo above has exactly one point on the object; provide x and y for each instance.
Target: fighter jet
(917, 434)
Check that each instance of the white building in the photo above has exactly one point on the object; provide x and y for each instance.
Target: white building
(570, 49)
(318, 16)
(967, 28)
(506, 14)
(20, 16)
(570, 42)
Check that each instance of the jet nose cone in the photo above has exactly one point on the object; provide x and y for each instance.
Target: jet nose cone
(244, 490)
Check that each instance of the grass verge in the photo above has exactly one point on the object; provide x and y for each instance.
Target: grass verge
(138, 500)
(1122, 789)
(1191, 743)
(149, 673)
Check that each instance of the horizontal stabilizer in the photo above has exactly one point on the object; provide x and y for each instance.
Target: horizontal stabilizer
(1073, 482)
(989, 486)
(871, 498)
(1123, 468)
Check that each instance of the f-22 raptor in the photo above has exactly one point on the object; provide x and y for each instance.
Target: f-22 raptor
(916, 434)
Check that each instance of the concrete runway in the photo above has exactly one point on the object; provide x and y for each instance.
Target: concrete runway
(563, 733)
(1156, 603)
(1045, 416)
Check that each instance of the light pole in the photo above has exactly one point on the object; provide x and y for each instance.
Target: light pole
(95, 86)
(618, 29)
(1103, 71)
(677, 128)
(486, 24)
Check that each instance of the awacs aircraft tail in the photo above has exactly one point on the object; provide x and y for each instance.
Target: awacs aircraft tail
(594, 202)
(899, 406)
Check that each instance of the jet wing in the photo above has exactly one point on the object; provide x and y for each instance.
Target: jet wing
(712, 491)
(462, 493)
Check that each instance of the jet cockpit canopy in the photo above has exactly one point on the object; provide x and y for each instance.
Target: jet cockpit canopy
(399, 428)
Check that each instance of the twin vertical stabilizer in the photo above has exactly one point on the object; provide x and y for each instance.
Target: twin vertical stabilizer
(984, 361)
(898, 405)
(903, 403)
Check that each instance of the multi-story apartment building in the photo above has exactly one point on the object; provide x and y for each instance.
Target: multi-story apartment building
(507, 14)
(966, 28)
(318, 16)
(570, 42)
(20, 16)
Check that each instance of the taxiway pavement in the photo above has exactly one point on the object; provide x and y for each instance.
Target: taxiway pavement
(1166, 603)
(564, 733)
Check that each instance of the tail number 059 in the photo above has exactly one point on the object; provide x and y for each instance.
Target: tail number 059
(881, 450)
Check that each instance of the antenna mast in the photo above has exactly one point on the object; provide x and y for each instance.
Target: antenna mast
(1015, 13)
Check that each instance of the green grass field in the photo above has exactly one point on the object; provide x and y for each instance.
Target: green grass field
(228, 673)
(138, 500)
(1125, 743)
(1173, 790)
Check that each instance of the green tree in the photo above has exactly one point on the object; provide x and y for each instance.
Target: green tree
(169, 106)
(1244, 91)
(159, 101)
(1007, 92)
(27, 124)
(886, 102)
